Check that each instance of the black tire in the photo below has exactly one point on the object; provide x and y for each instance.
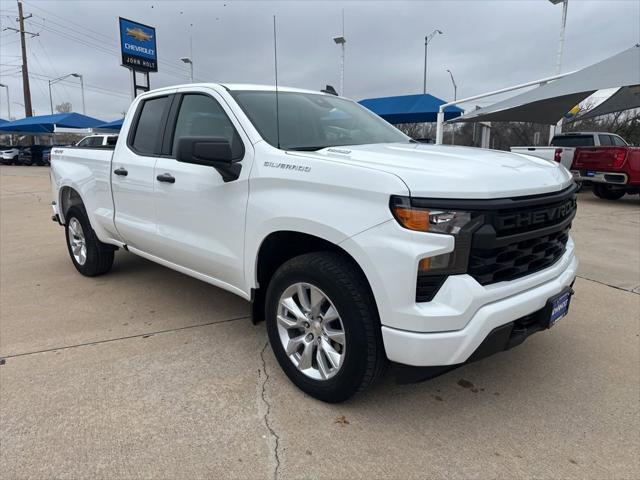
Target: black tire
(345, 286)
(99, 256)
(607, 192)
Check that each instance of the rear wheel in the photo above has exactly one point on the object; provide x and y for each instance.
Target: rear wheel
(607, 192)
(323, 326)
(89, 255)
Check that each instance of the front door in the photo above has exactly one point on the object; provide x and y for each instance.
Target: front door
(200, 217)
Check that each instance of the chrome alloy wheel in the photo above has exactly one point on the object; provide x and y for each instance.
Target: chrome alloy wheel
(311, 331)
(77, 242)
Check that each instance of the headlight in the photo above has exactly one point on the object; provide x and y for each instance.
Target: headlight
(460, 224)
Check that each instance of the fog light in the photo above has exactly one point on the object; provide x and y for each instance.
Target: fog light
(437, 262)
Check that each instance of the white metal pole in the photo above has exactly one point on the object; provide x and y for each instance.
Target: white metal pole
(439, 126)
(565, 5)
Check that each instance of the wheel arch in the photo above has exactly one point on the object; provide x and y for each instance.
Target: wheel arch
(283, 245)
(67, 198)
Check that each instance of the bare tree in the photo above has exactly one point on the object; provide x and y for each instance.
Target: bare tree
(64, 107)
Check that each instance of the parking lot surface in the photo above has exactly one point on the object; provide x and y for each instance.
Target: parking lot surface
(147, 373)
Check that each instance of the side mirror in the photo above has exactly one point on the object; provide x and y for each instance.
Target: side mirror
(209, 151)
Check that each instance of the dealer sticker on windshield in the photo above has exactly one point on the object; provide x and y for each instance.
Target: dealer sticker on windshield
(559, 307)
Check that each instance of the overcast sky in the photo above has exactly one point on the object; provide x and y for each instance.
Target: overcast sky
(486, 44)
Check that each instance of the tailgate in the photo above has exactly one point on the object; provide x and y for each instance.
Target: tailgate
(600, 158)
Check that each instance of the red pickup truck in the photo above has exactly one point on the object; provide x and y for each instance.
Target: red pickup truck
(614, 170)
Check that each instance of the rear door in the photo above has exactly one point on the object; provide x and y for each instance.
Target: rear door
(132, 172)
(200, 217)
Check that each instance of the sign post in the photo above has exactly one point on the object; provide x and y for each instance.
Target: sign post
(139, 54)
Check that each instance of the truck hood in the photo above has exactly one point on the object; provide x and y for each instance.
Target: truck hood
(447, 171)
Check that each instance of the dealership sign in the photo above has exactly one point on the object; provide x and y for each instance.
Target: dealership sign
(138, 46)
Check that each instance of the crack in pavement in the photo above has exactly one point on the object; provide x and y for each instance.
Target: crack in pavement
(609, 285)
(265, 417)
(109, 340)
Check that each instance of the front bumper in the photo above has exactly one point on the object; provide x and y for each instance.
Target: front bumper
(456, 347)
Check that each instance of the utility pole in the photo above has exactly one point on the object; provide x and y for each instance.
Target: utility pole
(25, 70)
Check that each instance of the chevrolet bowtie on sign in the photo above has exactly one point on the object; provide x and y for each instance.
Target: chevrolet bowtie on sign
(138, 46)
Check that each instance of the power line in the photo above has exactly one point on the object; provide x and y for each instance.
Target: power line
(177, 73)
(91, 34)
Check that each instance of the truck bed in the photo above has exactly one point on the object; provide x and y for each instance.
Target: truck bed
(88, 170)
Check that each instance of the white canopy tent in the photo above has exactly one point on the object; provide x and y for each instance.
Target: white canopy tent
(550, 101)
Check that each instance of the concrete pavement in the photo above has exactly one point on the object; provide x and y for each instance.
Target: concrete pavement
(147, 373)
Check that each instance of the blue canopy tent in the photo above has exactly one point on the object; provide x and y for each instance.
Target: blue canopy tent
(116, 125)
(44, 124)
(410, 108)
(3, 121)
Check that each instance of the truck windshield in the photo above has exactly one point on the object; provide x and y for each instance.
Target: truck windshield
(572, 141)
(313, 121)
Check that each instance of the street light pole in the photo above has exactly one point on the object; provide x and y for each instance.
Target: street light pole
(341, 40)
(455, 97)
(190, 62)
(59, 79)
(427, 39)
(8, 101)
(84, 111)
(455, 87)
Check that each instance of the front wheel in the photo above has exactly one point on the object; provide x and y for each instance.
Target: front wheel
(323, 326)
(606, 192)
(89, 255)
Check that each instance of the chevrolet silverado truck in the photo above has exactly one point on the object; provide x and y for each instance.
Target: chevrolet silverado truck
(357, 245)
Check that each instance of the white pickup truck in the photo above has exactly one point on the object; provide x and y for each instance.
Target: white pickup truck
(562, 147)
(357, 245)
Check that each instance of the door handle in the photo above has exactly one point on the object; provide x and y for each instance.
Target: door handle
(121, 171)
(166, 177)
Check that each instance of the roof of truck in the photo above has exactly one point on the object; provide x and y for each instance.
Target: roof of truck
(266, 88)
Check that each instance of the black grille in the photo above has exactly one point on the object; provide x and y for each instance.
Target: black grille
(428, 286)
(521, 239)
(517, 259)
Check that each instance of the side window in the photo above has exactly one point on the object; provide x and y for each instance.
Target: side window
(84, 142)
(112, 140)
(149, 128)
(94, 141)
(605, 140)
(618, 142)
(202, 116)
